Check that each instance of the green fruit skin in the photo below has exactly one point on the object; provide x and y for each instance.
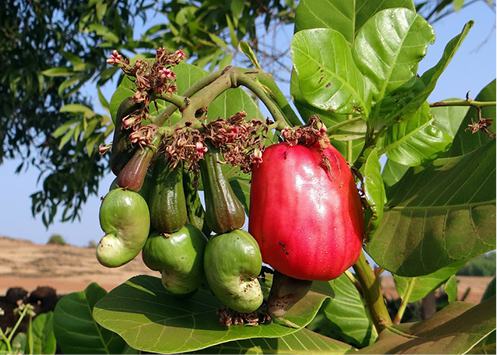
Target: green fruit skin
(195, 210)
(224, 212)
(125, 219)
(179, 257)
(232, 262)
(122, 149)
(144, 191)
(167, 198)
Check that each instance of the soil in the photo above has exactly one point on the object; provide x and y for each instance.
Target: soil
(64, 267)
(68, 268)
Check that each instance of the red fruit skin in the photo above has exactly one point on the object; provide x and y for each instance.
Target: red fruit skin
(307, 219)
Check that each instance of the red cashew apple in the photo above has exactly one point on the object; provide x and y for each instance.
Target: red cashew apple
(305, 211)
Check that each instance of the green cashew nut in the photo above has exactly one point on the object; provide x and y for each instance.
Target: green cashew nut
(125, 219)
(232, 262)
(179, 258)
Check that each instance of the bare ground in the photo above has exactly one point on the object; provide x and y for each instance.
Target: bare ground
(69, 268)
(66, 268)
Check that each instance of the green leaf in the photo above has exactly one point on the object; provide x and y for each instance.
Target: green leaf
(302, 342)
(407, 98)
(465, 141)
(76, 330)
(65, 139)
(490, 290)
(450, 289)
(124, 90)
(142, 306)
(78, 108)
(423, 285)
(348, 314)
(457, 4)
(67, 84)
(233, 36)
(389, 46)
(449, 118)
(438, 216)
(104, 32)
(18, 344)
(248, 51)
(42, 337)
(102, 99)
(335, 14)
(365, 9)
(393, 172)
(416, 139)
(64, 128)
(59, 71)
(456, 329)
(237, 10)
(486, 346)
(346, 17)
(373, 187)
(327, 75)
(231, 102)
(340, 139)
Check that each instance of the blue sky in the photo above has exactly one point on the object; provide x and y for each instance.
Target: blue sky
(471, 69)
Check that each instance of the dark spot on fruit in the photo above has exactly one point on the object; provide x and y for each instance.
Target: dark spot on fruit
(328, 85)
(283, 247)
(285, 155)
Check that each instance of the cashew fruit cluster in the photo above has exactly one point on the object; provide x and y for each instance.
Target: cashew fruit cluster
(154, 208)
(305, 221)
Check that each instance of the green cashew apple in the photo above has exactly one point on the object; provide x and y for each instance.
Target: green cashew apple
(232, 263)
(179, 258)
(125, 219)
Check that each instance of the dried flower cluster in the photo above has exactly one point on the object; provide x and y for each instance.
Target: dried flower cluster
(185, 145)
(241, 142)
(228, 317)
(307, 135)
(483, 124)
(153, 79)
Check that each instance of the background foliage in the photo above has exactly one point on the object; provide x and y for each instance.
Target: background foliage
(53, 52)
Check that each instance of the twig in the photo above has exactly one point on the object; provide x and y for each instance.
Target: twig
(372, 292)
(405, 301)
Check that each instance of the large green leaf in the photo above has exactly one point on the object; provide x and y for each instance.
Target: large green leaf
(393, 172)
(76, 330)
(335, 14)
(348, 314)
(141, 306)
(456, 329)
(373, 186)
(465, 141)
(365, 9)
(423, 285)
(125, 89)
(346, 17)
(486, 346)
(439, 216)
(327, 75)
(389, 46)
(304, 341)
(407, 98)
(416, 139)
(348, 137)
(41, 338)
(489, 291)
(449, 117)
